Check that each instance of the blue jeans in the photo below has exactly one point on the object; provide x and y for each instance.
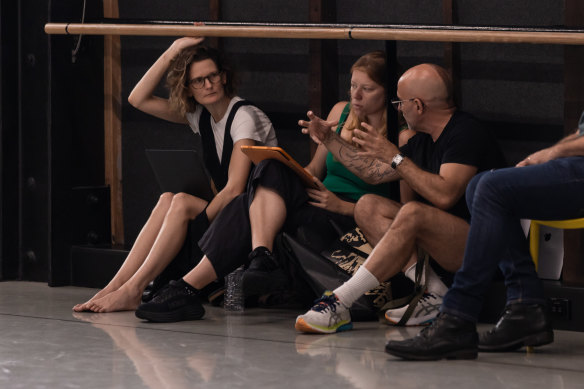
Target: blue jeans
(497, 199)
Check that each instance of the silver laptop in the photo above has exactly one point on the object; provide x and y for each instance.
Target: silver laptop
(180, 171)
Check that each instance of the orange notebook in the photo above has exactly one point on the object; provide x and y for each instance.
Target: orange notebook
(259, 153)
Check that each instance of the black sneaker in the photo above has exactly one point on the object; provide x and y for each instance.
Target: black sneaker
(152, 290)
(263, 275)
(178, 301)
(261, 259)
(448, 337)
(521, 325)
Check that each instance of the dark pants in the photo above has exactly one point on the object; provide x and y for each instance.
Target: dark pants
(497, 201)
(227, 242)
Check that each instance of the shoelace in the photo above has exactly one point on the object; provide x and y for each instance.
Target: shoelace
(428, 296)
(325, 302)
(429, 330)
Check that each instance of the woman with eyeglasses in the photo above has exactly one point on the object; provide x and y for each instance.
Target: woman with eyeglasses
(276, 200)
(202, 95)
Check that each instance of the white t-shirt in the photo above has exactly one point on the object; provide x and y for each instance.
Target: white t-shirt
(249, 123)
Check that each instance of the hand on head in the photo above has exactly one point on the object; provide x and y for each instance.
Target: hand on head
(373, 144)
(318, 129)
(185, 42)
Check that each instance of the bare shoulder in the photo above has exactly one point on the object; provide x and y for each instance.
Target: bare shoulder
(337, 110)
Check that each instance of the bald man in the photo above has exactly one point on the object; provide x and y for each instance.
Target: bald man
(434, 167)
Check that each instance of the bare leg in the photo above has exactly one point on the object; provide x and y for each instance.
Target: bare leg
(167, 244)
(441, 234)
(139, 251)
(374, 215)
(202, 275)
(267, 214)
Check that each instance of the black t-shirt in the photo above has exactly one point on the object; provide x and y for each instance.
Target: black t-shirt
(464, 140)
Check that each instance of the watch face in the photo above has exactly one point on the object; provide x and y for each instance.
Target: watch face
(396, 160)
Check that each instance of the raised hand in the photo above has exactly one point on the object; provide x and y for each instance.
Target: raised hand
(318, 129)
(374, 145)
(185, 42)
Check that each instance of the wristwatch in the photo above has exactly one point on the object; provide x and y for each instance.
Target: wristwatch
(399, 158)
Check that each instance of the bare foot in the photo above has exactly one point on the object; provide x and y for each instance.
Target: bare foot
(88, 316)
(84, 307)
(123, 299)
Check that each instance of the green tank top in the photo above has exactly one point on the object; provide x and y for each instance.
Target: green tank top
(341, 181)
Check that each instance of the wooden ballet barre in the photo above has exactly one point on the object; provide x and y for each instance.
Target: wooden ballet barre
(315, 32)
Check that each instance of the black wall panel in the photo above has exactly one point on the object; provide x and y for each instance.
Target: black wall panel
(9, 102)
(34, 126)
(76, 133)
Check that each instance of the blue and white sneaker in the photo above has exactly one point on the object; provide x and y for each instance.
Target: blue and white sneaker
(424, 313)
(327, 316)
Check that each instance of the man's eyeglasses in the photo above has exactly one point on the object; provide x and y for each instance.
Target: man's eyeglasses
(199, 82)
(397, 103)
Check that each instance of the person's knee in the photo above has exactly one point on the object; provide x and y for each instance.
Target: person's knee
(487, 189)
(365, 209)
(471, 189)
(164, 202)
(180, 205)
(411, 216)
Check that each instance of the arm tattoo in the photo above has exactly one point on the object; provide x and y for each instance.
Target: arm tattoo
(369, 169)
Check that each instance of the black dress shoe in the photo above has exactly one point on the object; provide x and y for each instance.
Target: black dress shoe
(447, 337)
(264, 274)
(521, 325)
(177, 301)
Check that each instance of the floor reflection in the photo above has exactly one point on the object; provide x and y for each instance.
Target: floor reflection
(261, 350)
(362, 368)
(160, 364)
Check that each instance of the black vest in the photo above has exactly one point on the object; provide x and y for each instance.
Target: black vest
(218, 170)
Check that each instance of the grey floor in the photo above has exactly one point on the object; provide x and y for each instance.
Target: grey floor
(43, 344)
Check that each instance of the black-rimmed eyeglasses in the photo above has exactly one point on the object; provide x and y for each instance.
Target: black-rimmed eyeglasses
(199, 82)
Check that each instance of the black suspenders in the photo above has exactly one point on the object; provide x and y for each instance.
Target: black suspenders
(218, 169)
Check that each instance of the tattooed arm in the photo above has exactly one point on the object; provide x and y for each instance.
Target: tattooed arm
(370, 169)
(366, 166)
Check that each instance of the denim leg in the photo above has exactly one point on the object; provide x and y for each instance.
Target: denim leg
(472, 187)
(497, 200)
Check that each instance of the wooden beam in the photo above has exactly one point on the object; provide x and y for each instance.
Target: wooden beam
(369, 33)
(113, 123)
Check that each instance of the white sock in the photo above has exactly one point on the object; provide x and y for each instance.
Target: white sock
(434, 285)
(361, 282)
